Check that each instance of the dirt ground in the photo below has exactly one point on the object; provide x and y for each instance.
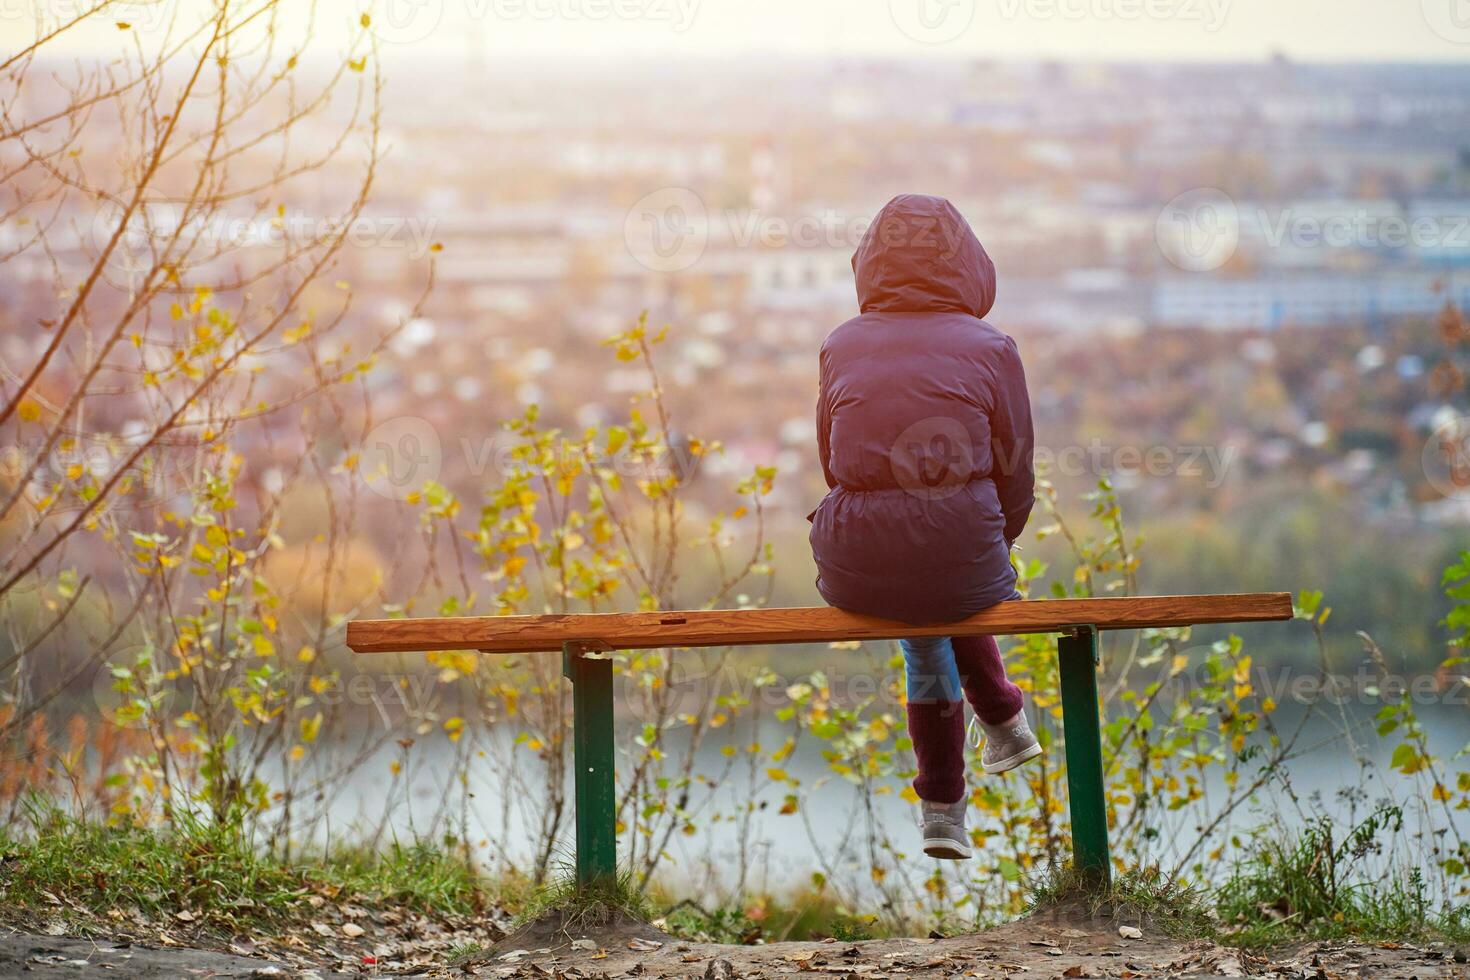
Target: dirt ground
(1052, 946)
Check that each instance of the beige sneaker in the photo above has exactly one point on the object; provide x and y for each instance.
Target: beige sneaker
(1006, 746)
(944, 831)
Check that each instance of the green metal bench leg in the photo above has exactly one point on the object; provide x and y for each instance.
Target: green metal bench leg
(1077, 655)
(592, 759)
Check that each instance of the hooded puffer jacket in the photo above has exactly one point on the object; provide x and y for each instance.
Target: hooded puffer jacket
(923, 428)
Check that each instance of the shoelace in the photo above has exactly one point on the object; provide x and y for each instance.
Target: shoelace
(973, 731)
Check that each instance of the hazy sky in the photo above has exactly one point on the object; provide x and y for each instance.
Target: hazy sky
(1172, 30)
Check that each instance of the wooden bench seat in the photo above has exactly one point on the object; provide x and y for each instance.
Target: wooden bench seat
(583, 639)
(756, 627)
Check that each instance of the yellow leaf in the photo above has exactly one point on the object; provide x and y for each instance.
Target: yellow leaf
(29, 411)
(311, 727)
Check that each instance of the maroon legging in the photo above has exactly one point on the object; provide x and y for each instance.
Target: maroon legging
(983, 674)
(937, 728)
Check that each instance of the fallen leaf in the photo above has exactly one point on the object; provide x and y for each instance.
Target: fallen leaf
(643, 945)
(583, 944)
(352, 930)
(1130, 932)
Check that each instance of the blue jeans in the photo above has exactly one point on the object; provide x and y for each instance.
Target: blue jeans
(930, 669)
(941, 669)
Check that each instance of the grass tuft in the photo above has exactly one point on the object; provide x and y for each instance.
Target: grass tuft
(801, 916)
(192, 871)
(599, 904)
(1319, 883)
(1144, 897)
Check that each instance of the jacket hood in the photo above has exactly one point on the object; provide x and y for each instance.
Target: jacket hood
(920, 256)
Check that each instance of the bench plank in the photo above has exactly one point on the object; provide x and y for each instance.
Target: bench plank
(755, 627)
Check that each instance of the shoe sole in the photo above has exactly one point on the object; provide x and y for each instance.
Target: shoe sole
(1011, 762)
(946, 849)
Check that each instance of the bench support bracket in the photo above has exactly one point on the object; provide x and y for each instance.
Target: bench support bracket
(1077, 657)
(592, 761)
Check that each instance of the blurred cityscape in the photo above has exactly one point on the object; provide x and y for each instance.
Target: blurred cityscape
(1119, 203)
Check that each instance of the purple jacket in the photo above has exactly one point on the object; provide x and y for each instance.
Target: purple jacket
(923, 428)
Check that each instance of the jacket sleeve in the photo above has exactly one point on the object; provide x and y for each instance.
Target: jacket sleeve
(1013, 444)
(824, 425)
